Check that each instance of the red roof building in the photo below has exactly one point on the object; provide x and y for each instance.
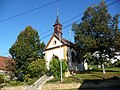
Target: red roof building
(5, 61)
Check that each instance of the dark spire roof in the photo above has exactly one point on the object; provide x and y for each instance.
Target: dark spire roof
(57, 20)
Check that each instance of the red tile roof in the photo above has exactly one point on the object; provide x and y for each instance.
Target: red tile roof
(2, 62)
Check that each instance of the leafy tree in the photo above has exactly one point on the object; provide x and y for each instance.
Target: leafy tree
(94, 33)
(26, 49)
(55, 67)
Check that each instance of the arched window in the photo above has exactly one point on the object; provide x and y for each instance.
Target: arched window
(54, 42)
(55, 57)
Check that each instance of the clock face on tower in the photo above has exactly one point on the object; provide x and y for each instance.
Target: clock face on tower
(54, 42)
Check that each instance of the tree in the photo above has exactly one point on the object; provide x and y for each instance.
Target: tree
(116, 32)
(55, 67)
(94, 33)
(26, 49)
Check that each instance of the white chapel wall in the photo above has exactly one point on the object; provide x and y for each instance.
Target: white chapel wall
(51, 44)
(57, 52)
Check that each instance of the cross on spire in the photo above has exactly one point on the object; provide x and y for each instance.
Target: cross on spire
(57, 13)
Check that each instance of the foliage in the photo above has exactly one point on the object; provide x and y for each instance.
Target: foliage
(116, 32)
(30, 82)
(1, 78)
(117, 63)
(97, 33)
(55, 67)
(26, 49)
(14, 83)
(37, 68)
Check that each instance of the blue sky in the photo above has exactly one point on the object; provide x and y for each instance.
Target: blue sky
(41, 19)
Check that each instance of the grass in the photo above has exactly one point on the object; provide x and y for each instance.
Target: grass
(97, 74)
(90, 75)
(18, 83)
(66, 80)
(115, 69)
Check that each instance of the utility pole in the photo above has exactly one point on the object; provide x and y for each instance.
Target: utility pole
(69, 51)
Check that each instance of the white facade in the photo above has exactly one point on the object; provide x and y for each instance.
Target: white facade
(55, 48)
(53, 44)
(58, 49)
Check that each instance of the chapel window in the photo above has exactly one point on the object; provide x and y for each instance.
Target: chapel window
(54, 42)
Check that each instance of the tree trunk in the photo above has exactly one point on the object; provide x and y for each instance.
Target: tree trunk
(103, 69)
(102, 64)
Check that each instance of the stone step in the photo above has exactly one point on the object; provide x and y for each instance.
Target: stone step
(38, 84)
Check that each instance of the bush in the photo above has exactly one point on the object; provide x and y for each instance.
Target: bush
(36, 68)
(1, 79)
(117, 63)
(15, 83)
(30, 82)
(20, 77)
(55, 68)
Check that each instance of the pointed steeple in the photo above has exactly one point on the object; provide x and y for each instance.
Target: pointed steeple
(58, 27)
(57, 19)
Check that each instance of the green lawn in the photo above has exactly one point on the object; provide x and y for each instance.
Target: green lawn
(97, 74)
(90, 75)
(111, 73)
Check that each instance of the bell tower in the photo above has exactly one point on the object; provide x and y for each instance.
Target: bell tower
(58, 27)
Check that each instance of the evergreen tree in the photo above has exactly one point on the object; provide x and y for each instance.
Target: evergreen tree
(26, 49)
(94, 33)
(116, 32)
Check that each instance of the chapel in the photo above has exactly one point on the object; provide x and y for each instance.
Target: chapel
(60, 48)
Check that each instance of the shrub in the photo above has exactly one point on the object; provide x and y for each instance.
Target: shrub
(31, 81)
(36, 68)
(117, 63)
(15, 83)
(1, 79)
(55, 67)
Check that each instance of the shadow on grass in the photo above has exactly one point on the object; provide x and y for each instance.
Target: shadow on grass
(91, 71)
(100, 70)
(104, 84)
